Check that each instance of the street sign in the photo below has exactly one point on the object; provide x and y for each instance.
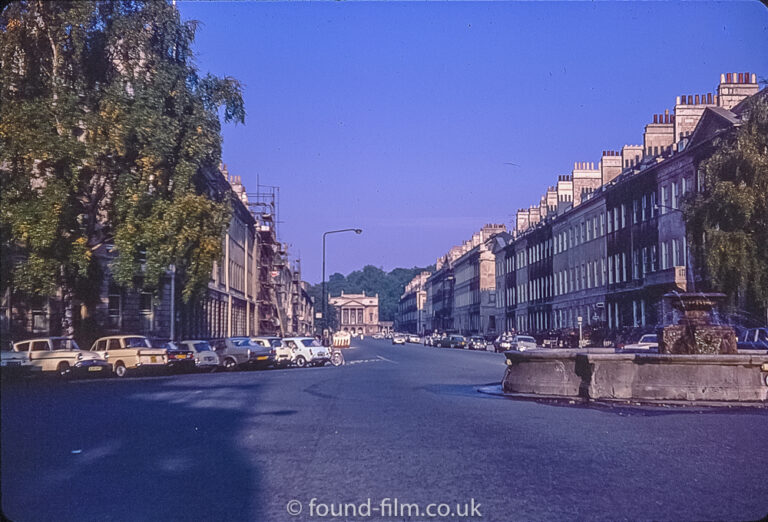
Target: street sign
(579, 319)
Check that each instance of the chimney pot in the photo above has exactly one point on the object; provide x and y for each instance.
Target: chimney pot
(741, 78)
(754, 78)
(655, 118)
(722, 78)
(696, 99)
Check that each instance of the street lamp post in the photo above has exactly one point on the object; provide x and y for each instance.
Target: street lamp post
(324, 297)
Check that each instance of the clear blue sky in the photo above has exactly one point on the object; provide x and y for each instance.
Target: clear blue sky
(398, 118)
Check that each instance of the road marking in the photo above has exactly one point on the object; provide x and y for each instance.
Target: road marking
(388, 360)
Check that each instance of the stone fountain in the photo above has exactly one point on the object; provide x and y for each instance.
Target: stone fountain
(695, 333)
(697, 363)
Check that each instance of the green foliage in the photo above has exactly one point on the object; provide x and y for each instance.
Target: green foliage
(106, 132)
(727, 221)
(371, 280)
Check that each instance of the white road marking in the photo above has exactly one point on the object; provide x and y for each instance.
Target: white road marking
(388, 360)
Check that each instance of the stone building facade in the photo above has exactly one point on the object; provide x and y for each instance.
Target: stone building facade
(411, 310)
(357, 313)
(243, 296)
(618, 246)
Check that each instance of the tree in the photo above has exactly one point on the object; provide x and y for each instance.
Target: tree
(107, 132)
(727, 221)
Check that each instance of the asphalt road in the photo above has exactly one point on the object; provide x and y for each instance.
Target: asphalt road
(402, 423)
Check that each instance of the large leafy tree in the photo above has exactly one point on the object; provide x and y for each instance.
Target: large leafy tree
(107, 132)
(727, 221)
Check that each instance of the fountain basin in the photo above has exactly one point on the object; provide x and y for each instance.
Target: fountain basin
(604, 376)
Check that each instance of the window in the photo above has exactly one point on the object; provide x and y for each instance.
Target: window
(635, 265)
(634, 211)
(645, 208)
(114, 344)
(623, 215)
(602, 224)
(610, 270)
(653, 205)
(22, 347)
(114, 304)
(675, 253)
(663, 197)
(623, 266)
(40, 346)
(674, 195)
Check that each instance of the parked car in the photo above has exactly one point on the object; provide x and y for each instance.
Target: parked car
(398, 339)
(62, 355)
(264, 350)
(180, 357)
(205, 358)
(476, 342)
(130, 353)
(453, 341)
(522, 343)
(647, 343)
(306, 351)
(378, 336)
(754, 339)
(414, 339)
(16, 364)
(236, 352)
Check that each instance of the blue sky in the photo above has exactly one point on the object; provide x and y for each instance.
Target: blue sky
(399, 118)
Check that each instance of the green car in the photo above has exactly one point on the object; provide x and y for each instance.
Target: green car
(453, 341)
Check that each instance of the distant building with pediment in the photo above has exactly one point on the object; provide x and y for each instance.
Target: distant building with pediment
(357, 313)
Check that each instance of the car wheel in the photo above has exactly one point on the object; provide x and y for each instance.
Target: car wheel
(63, 370)
(301, 362)
(120, 369)
(230, 364)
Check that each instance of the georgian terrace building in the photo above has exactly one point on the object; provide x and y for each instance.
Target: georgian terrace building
(411, 311)
(618, 248)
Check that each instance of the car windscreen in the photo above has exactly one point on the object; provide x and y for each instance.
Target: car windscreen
(651, 338)
(525, 339)
(311, 342)
(137, 342)
(64, 344)
(202, 347)
(275, 342)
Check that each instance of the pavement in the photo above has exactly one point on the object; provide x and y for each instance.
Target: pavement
(396, 425)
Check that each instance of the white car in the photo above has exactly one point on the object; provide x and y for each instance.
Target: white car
(304, 351)
(522, 343)
(414, 339)
(648, 343)
(63, 356)
(398, 339)
(205, 357)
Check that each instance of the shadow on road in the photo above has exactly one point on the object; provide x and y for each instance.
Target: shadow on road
(154, 449)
